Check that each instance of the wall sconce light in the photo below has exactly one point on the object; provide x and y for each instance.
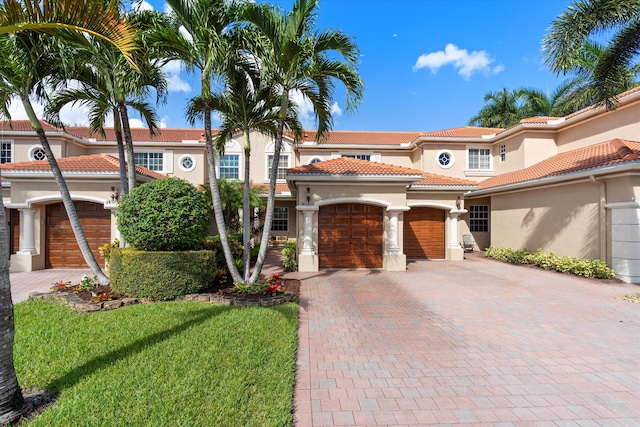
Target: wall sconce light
(114, 195)
(308, 194)
(458, 203)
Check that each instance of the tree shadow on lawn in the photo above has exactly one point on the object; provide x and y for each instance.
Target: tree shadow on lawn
(73, 377)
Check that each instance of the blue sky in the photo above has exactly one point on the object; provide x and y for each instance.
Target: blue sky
(426, 64)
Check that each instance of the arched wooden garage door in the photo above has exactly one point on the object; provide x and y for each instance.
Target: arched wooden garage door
(424, 233)
(350, 236)
(61, 248)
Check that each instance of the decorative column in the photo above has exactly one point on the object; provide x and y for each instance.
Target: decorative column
(456, 253)
(307, 240)
(27, 241)
(394, 259)
(307, 256)
(394, 248)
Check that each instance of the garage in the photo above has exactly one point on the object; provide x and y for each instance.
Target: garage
(350, 236)
(424, 233)
(61, 248)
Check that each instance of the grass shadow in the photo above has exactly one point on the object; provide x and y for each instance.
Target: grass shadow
(74, 376)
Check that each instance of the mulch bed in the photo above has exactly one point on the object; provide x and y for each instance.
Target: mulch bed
(226, 289)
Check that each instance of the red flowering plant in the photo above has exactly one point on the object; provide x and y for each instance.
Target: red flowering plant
(101, 297)
(60, 286)
(274, 285)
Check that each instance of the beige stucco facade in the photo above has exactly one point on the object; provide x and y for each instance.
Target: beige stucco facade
(592, 214)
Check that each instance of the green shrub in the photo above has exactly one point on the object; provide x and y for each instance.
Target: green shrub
(164, 215)
(289, 255)
(565, 264)
(162, 275)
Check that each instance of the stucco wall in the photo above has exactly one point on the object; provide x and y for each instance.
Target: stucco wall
(563, 219)
(620, 123)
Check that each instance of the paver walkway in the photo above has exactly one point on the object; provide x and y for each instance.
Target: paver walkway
(476, 342)
(22, 284)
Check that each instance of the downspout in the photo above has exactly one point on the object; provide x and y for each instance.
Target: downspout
(602, 216)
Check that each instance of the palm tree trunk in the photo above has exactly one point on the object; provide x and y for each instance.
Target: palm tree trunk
(215, 195)
(246, 221)
(117, 128)
(271, 196)
(131, 164)
(64, 193)
(12, 404)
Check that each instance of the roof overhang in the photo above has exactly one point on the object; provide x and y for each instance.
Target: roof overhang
(354, 178)
(30, 174)
(443, 187)
(626, 167)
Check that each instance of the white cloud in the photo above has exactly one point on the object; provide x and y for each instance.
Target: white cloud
(142, 5)
(336, 110)
(173, 70)
(136, 123)
(466, 63)
(305, 109)
(164, 122)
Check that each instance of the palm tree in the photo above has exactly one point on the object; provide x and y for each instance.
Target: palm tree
(297, 57)
(79, 17)
(568, 33)
(579, 91)
(247, 104)
(200, 37)
(27, 66)
(71, 19)
(501, 110)
(107, 85)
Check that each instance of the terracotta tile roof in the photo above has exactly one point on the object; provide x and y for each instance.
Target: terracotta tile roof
(539, 119)
(343, 137)
(281, 187)
(598, 155)
(93, 163)
(431, 179)
(463, 132)
(349, 166)
(23, 126)
(143, 135)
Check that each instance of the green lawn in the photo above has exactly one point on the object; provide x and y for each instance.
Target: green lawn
(173, 364)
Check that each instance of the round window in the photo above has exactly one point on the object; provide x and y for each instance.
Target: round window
(187, 163)
(315, 160)
(37, 153)
(445, 159)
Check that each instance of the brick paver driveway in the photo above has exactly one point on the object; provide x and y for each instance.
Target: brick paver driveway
(476, 342)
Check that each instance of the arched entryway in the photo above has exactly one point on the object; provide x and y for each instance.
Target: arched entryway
(423, 233)
(61, 247)
(350, 235)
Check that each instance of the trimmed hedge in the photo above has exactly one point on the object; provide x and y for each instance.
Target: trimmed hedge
(564, 264)
(162, 276)
(164, 215)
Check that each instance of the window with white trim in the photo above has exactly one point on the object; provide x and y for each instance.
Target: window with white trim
(187, 163)
(282, 166)
(6, 152)
(358, 156)
(230, 166)
(479, 218)
(503, 153)
(280, 221)
(152, 161)
(315, 160)
(37, 153)
(445, 159)
(480, 158)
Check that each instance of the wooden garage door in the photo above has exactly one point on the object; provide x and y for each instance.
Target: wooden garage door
(350, 236)
(424, 233)
(61, 248)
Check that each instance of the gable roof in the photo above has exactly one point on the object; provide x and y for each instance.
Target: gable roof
(353, 167)
(431, 179)
(24, 126)
(347, 137)
(97, 163)
(142, 134)
(463, 132)
(282, 189)
(607, 153)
